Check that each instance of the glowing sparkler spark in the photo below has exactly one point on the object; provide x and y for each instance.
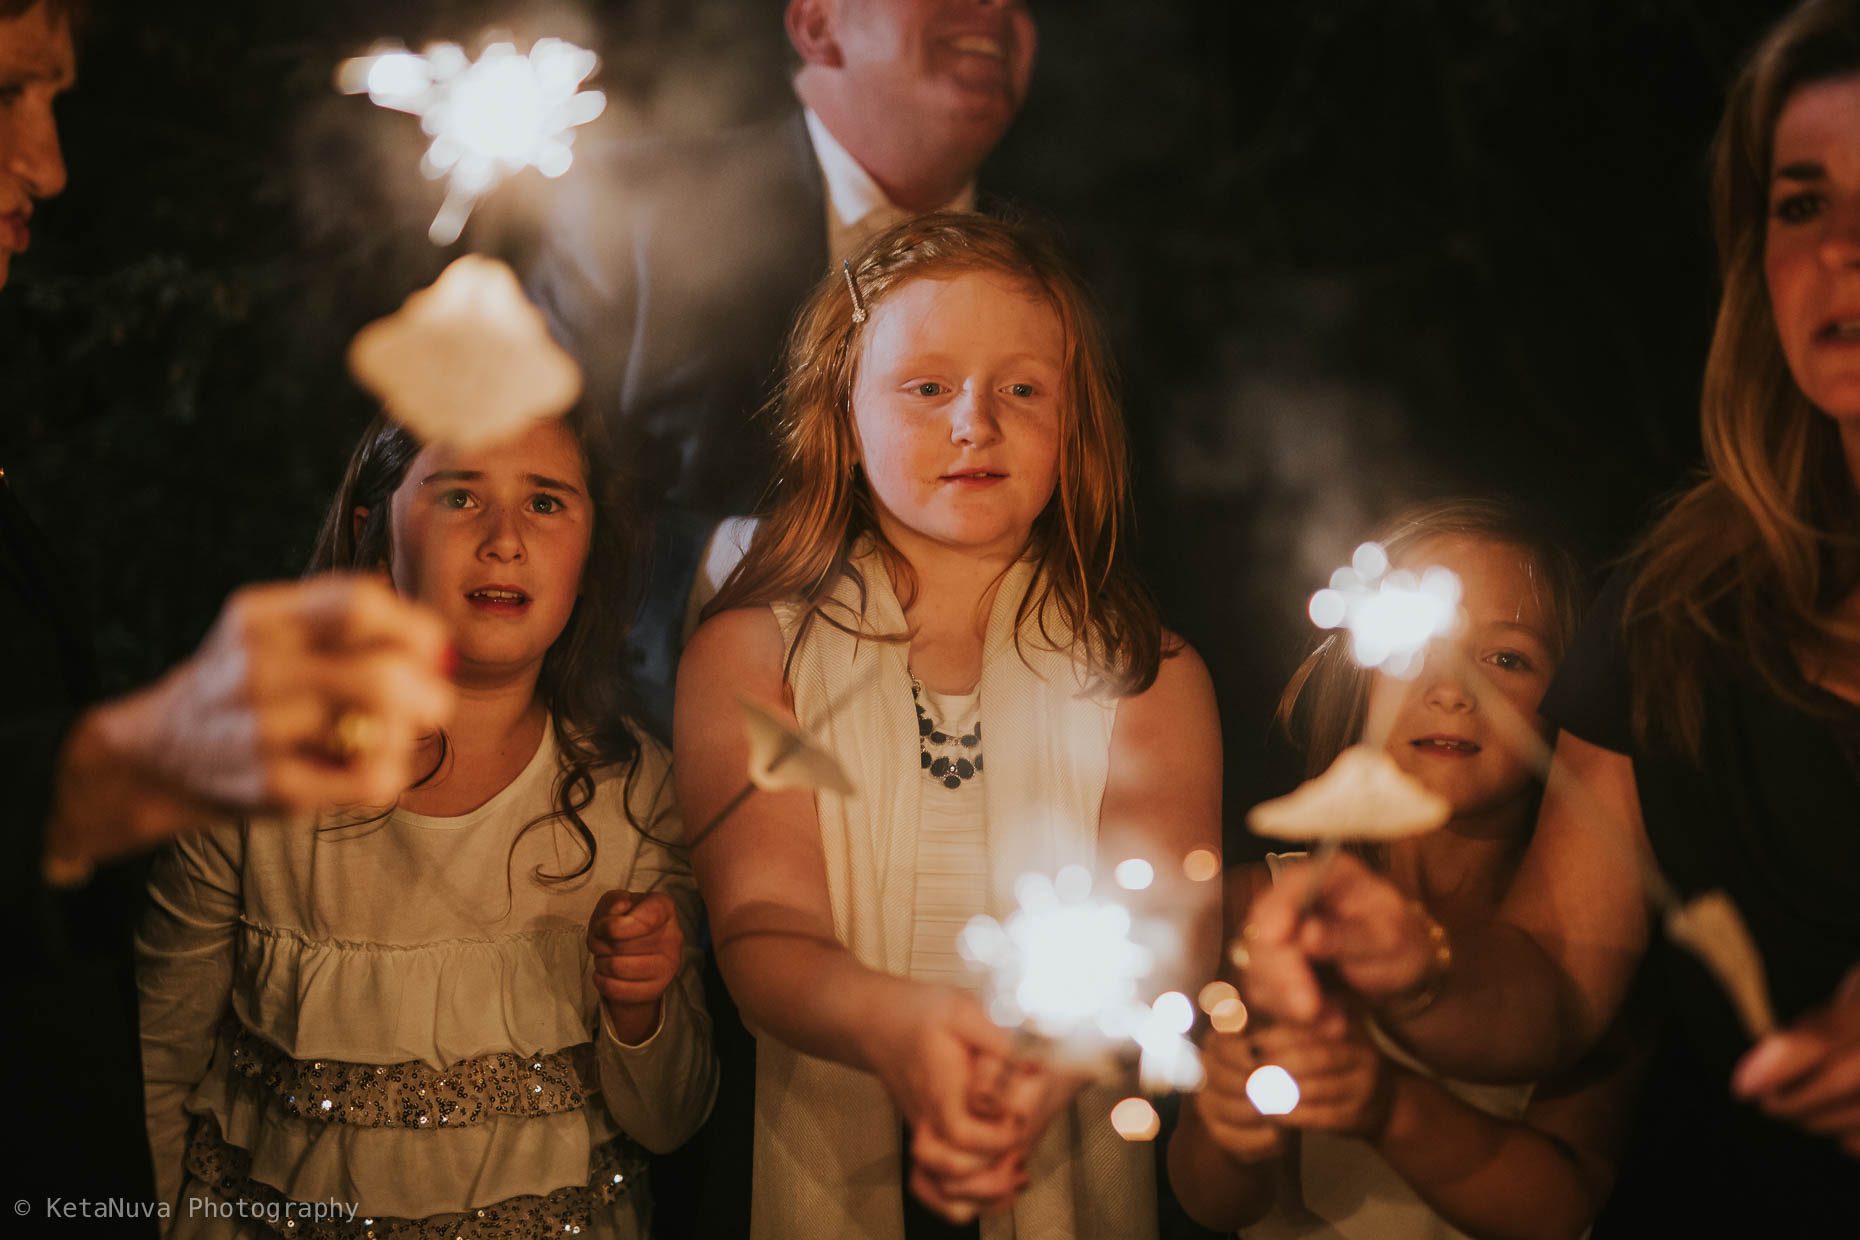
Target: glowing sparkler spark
(1136, 1120)
(1064, 969)
(487, 118)
(1201, 865)
(1170, 1060)
(1214, 994)
(1228, 1016)
(1134, 874)
(1391, 616)
(1061, 960)
(1271, 1090)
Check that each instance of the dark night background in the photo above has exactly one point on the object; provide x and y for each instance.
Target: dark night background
(1354, 253)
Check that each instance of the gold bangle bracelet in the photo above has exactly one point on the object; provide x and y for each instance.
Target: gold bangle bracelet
(1408, 1006)
(65, 873)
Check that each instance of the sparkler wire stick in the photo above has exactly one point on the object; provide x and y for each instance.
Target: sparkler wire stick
(793, 743)
(1376, 729)
(788, 749)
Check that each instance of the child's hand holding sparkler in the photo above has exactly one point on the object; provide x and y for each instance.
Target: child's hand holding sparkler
(1809, 1072)
(1026, 1093)
(1345, 1083)
(1378, 942)
(1222, 1106)
(941, 1060)
(637, 945)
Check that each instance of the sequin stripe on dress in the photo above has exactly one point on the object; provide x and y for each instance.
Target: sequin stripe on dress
(416, 1094)
(613, 1169)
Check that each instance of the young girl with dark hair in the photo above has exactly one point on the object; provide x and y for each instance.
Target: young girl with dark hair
(474, 1007)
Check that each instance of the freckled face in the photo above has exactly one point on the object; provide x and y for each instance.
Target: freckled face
(495, 541)
(1811, 251)
(957, 406)
(1444, 734)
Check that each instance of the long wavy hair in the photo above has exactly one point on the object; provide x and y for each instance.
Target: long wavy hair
(582, 683)
(820, 504)
(1750, 561)
(1325, 704)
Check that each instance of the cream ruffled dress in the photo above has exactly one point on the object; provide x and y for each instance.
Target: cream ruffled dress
(398, 1016)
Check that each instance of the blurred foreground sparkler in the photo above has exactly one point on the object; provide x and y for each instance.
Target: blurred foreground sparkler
(466, 361)
(487, 118)
(1064, 973)
(781, 756)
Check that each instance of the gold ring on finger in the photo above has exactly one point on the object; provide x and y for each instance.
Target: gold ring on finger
(355, 733)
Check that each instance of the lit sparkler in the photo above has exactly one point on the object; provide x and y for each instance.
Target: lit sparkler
(1391, 616)
(1064, 972)
(488, 118)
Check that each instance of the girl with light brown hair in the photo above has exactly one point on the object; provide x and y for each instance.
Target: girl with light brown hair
(1709, 718)
(946, 546)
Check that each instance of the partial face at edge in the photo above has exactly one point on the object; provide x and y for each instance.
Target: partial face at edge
(36, 65)
(1811, 252)
(957, 406)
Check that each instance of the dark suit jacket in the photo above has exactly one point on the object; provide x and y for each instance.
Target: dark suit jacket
(69, 1012)
(672, 269)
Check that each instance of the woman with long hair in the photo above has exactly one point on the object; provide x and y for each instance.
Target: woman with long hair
(1709, 721)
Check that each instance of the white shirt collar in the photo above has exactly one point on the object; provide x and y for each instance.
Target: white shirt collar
(853, 196)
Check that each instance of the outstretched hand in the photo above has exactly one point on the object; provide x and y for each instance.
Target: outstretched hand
(304, 695)
(1809, 1073)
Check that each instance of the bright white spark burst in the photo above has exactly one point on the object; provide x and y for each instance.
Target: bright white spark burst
(1391, 616)
(488, 118)
(1065, 967)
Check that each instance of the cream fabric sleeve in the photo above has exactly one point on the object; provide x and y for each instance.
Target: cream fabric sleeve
(184, 971)
(661, 1090)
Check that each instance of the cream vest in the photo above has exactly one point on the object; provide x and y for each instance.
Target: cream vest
(827, 1136)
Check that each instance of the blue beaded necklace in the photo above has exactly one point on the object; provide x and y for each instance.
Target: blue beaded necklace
(961, 760)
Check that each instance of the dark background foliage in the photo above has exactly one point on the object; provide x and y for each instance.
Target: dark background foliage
(1355, 253)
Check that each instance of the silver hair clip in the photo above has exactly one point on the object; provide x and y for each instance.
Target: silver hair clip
(858, 314)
